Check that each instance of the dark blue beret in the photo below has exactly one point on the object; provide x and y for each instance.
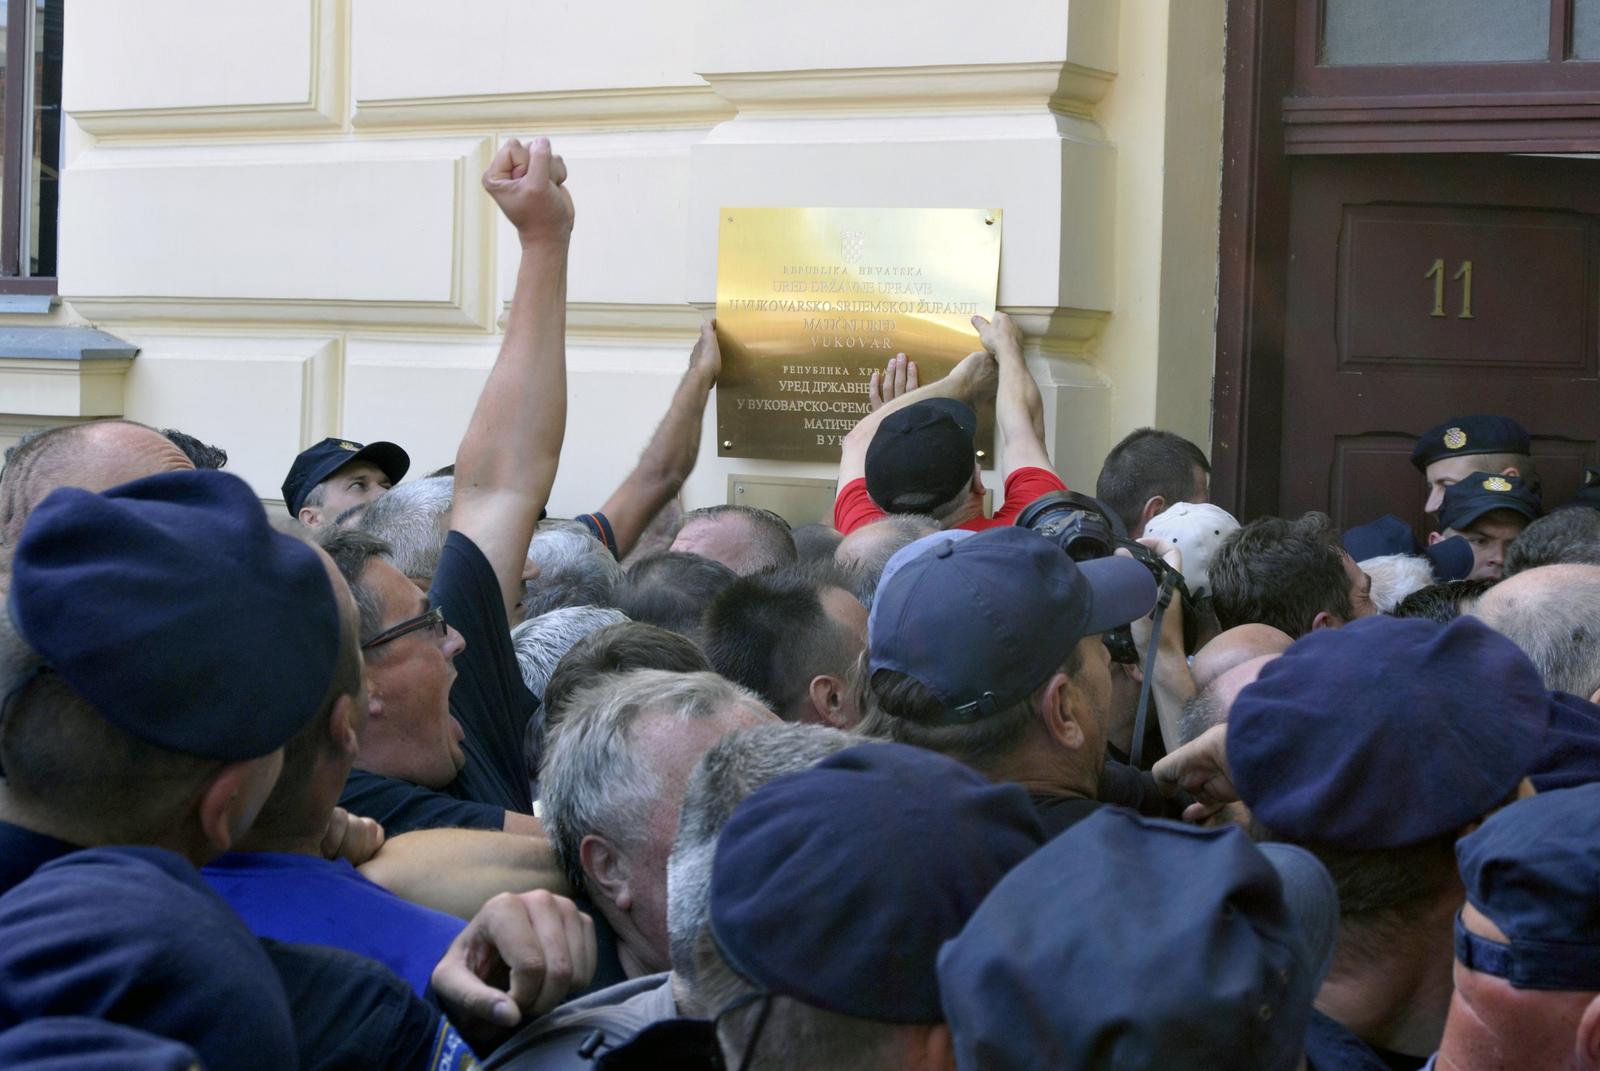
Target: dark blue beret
(1386, 732)
(1451, 558)
(73, 1043)
(316, 463)
(1485, 492)
(1468, 435)
(1533, 869)
(1129, 942)
(133, 935)
(836, 885)
(1570, 754)
(174, 608)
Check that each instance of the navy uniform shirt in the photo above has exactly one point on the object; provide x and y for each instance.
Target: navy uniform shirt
(1331, 1047)
(488, 699)
(133, 936)
(22, 851)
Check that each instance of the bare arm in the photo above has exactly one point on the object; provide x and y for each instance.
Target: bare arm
(1018, 408)
(670, 457)
(457, 871)
(972, 381)
(507, 460)
(1173, 685)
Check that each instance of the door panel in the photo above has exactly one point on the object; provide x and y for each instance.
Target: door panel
(1426, 288)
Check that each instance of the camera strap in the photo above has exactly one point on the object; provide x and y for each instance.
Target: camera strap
(1163, 600)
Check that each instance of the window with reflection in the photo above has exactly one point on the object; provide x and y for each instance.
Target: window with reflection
(30, 148)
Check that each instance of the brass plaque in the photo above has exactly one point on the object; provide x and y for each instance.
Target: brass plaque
(812, 301)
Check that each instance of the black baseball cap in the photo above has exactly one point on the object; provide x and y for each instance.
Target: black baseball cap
(317, 463)
(1485, 492)
(923, 449)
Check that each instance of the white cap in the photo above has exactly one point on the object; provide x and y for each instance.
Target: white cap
(1197, 529)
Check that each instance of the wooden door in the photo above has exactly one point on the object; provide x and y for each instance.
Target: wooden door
(1426, 287)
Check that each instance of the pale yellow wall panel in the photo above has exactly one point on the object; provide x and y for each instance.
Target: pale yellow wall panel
(409, 49)
(632, 198)
(258, 399)
(736, 35)
(180, 65)
(420, 393)
(387, 223)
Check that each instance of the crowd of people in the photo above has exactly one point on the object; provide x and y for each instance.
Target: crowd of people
(415, 776)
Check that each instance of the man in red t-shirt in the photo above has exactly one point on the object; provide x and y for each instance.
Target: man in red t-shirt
(914, 453)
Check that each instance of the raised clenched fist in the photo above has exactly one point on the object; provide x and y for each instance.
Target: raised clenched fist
(526, 181)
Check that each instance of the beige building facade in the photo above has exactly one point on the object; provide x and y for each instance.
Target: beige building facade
(278, 203)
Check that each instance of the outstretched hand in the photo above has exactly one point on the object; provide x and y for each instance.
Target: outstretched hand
(519, 957)
(706, 357)
(999, 336)
(899, 376)
(1200, 768)
(526, 181)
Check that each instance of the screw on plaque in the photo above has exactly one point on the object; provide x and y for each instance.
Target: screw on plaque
(727, 444)
(987, 220)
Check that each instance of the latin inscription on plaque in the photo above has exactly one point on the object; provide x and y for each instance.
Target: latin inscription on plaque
(812, 301)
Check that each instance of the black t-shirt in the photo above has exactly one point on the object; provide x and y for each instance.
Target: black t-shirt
(1059, 813)
(1136, 790)
(488, 699)
(1330, 1047)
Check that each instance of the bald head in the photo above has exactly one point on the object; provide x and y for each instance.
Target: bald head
(1553, 614)
(1211, 705)
(95, 457)
(1237, 645)
(863, 553)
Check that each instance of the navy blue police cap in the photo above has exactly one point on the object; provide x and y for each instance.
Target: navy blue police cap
(1485, 492)
(76, 1043)
(1532, 869)
(316, 463)
(1470, 435)
(1450, 559)
(835, 886)
(983, 622)
(1587, 495)
(922, 449)
(1134, 942)
(172, 606)
(1386, 732)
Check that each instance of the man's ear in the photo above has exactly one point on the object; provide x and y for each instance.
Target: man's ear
(343, 733)
(1153, 507)
(225, 809)
(1435, 537)
(604, 869)
(1325, 620)
(1586, 1046)
(1055, 709)
(310, 516)
(827, 703)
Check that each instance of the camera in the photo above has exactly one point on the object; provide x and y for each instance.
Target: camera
(1085, 529)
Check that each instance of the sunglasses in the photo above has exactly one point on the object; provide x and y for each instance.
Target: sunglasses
(433, 619)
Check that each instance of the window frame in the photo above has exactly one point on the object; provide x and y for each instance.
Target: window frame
(14, 176)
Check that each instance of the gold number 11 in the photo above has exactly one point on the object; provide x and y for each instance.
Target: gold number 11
(1463, 274)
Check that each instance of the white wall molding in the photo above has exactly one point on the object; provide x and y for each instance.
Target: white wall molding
(642, 108)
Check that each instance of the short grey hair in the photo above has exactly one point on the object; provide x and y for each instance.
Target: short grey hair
(414, 519)
(864, 571)
(593, 780)
(1568, 536)
(541, 642)
(1394, 576)
(736, 766)
(575, 569)
(1557, 623)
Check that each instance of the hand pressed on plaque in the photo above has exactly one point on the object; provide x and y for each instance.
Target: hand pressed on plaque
(899, 376)
(705, 360)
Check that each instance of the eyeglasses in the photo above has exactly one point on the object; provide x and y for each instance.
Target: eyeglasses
(433, 619)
